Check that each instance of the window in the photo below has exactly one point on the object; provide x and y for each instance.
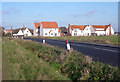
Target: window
(45, 33)
(88, 34)
(81, 31)
(75, 34)
(51, 33)
(55, 34)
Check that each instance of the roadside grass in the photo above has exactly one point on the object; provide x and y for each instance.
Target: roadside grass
(93, 39)
(21, 64)
(71, 64)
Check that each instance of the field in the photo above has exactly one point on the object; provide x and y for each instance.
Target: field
(93, 39)
(28, 60)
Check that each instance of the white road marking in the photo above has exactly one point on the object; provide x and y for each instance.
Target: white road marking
(92, 47)
(95, 48)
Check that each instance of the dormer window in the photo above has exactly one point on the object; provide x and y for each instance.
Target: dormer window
(75, 30)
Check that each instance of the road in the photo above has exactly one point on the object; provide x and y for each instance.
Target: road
(101, 53)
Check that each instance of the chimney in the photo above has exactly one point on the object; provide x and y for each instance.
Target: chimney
(109, 24)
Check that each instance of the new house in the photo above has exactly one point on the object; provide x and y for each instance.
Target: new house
(47, 29)
(22, 32)
(2, 31)
(8, 31)
(79, 30)
(103, 30)
(37, 29)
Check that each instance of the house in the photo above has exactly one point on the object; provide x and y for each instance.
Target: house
(103, 30)
(37, 29)
(8, 31)
(47, 29)
(22, 32)
(2, 31)
(79, 30)
(63, 31)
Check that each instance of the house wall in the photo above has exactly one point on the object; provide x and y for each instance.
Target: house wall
(20, 32)
(34, 31)
(87, 31)
(26, 32)
(41, 30)
(78, 32)
(100, 33)
(92, 29)
(70, 31)
(107, 31)
(54, 32)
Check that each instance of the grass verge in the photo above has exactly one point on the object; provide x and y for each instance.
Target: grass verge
(73, 64)
(114, 40)
(21, 64)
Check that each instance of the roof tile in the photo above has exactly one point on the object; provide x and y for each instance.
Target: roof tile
(49, 24)
(100, 26)
(81, 27)
(37, 25)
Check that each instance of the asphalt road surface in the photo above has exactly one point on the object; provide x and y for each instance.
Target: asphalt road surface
(99, 52)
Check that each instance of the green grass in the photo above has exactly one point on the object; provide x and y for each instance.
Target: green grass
(71, 64)
(94, 39)
(21, 64)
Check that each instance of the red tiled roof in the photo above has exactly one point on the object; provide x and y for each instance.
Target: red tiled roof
(81, 27)
(49, 25)
(37, 25)
(8, 31)
(100, 26)
(71, 27)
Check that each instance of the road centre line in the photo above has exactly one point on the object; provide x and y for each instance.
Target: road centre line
(90, 47)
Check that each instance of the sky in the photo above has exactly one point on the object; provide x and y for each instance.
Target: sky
(17, 14)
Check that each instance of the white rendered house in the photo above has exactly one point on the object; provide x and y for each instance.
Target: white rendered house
(22, 32)
(79, 30)
(37, 29)
(47, 29)
(103, 29)
(27, 32)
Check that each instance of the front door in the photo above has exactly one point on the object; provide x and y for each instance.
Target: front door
(55, 34)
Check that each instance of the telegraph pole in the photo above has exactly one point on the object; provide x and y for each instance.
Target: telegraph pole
(110, 30)
(11, 30)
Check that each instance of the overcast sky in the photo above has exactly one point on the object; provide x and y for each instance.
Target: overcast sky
(18, 14)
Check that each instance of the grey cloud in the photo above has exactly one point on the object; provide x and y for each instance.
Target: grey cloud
(6, 12)
(12, 10)
(90, 13)
(15, 10)
(86, 14)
